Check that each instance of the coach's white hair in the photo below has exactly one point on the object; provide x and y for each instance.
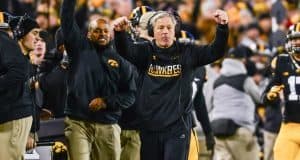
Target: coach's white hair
(161, 14)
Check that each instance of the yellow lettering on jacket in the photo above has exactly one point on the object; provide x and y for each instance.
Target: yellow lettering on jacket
(164, 71)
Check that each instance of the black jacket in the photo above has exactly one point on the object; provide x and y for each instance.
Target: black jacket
(166, 89)
(15, 100)
(129, 119)
(94, 72)
(53, 83)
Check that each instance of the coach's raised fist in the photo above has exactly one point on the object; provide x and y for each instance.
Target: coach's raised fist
(221, 17)
(121, 24)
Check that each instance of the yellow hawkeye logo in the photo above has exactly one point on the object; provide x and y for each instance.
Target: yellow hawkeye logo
(164, 71)
(113, 63)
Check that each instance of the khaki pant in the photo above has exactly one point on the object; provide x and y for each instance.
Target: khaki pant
(194, 146)
(131, 145)
(287, 145)
(269, 141)
(13, 138)
(204, 154)
(92, 141)
(241, 146)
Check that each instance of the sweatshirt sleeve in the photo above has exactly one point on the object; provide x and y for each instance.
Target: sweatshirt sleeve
(202, 55)
(127, 88)
(14, 72)
(253, 90)
(73, 39)
(134, 52)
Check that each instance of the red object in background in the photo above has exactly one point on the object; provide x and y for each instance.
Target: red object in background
(288, 23)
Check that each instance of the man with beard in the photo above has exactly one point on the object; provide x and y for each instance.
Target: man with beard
(100, 84)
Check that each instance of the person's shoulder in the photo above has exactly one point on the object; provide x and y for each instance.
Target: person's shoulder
(123, 64)
(283, 58)
(201, 70)
(144, 43)
(185, 43)
(274, 62)
(279, 60)
(113, 54)
(200, 73)
(8, 43)
(5, 37)
(283, 55)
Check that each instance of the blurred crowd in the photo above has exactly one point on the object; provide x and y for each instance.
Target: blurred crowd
(269, 16)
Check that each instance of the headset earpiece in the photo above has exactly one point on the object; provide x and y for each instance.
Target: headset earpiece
(150, 25)
(178, 23)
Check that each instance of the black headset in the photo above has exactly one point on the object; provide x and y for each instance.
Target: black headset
(150, 25)
(172, 14)
(178, 23)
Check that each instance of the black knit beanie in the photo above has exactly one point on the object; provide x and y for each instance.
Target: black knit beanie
(22, 25)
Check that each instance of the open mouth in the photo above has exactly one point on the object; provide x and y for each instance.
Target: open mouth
(39, 49)
(38, 55)
(102, 39)
(165, 39)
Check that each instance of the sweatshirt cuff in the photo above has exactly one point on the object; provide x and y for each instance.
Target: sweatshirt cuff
(119, 32)
(110, 102)
(223, 26)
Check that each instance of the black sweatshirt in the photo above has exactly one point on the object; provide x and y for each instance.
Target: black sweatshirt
(129, 119)
(53, 83)
(15, 100)
(94, 72)
(166, 89)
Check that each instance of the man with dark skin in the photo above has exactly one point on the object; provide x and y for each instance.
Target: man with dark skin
(100, 84)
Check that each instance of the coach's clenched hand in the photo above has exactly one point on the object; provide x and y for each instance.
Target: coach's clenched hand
(221, 17)
(121, 24)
